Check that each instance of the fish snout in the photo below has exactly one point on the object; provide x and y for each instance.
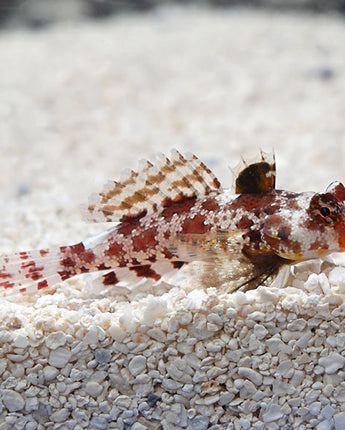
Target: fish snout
(337, 190)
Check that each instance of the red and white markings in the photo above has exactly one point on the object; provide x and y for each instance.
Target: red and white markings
(173, 212)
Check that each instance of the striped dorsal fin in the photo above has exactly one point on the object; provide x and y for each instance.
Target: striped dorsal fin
(152, 188)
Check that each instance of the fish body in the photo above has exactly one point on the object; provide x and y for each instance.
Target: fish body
(175, 212)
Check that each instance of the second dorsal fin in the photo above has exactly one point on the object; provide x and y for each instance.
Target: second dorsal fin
(257, 177)
(152, 188)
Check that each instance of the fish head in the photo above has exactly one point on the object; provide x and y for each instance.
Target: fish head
(308, 225)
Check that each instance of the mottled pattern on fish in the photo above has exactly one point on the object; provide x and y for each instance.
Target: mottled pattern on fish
(175, 212)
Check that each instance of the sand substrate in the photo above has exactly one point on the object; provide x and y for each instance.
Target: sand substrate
(79, 102)
(272, 358)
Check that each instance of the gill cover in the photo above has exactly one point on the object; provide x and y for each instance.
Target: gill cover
(310, 226)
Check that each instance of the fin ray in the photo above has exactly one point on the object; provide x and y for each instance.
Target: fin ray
(29, 271)
(151, 188)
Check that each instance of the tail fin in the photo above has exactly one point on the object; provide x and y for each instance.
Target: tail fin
(31, 271)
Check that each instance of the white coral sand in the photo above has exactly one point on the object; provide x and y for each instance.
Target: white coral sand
(188, 358)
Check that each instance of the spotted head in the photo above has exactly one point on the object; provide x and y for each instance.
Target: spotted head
(307, 225)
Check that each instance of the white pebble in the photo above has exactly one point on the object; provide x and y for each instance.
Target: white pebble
(328, 412)
(297, 325)
(91, 337)
(59, 357)
(138, 426)
(123, 402)
(60, 416)
(215, 319)
(93, 388)
(12, 400)
(5, 336)
(304, 339)
(324, 283)
(172, 325)
(245, 424)
(252, 375)
(275, 345)
(260, 331)
(208, 400)
(157, 334)
(339, 421)
(312, 395)
(248, 390)
(200, 322)
(155, 309)
(31, 404)
(170, 384)
(80, 414)
(284, 366)
(337, 277)
(184, 318)
(241, 298)
(17, 370)
(324, 425)
(99, 423)
(185, 348)
(258, 316)
(117, 332)
(3, 365)
(54, 340)
(195, 300)
(142, 389)
(17, 358)
(50, 373)
(315, 408)
(273, 413)
(21, 341)
(137, 365)
(214, 346)
(332, 363)
(225, 398)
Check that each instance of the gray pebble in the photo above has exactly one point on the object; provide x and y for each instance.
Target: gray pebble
(102, 355)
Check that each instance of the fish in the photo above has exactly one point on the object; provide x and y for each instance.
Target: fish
(174, 212)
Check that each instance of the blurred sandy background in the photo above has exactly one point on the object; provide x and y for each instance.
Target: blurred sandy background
(81, 100)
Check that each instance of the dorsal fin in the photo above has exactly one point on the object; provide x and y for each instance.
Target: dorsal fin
(152, 188)
(257, 177)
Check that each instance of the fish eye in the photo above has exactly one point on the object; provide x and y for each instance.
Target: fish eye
(324, 211)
